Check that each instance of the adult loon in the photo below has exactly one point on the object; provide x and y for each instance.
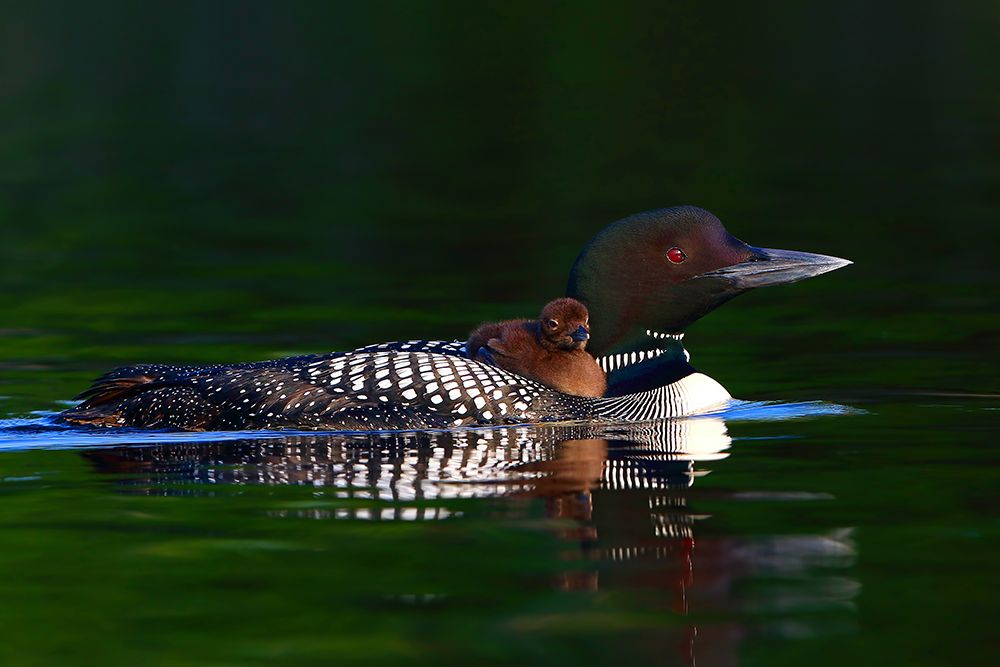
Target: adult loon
(644, 279)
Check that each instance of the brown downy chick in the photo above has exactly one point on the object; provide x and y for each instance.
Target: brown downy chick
(549, 350)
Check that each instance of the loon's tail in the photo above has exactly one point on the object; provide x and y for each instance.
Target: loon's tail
(140, 396)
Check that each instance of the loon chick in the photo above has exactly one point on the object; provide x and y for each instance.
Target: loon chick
(549, 349)
(643, 278)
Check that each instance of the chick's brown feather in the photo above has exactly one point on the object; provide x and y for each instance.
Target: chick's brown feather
(543, 349)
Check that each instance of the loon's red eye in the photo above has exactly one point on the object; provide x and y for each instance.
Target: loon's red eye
(676, 255)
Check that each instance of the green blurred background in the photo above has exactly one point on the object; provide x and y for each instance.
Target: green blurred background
(228, 181)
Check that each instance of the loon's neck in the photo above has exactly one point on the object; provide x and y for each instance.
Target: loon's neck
(654, 361)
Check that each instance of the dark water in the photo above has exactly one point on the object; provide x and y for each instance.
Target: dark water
(212, 183)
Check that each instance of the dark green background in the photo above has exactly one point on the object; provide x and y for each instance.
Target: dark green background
(199, 182)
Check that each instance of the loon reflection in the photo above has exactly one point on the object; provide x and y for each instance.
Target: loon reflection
(620, 498)
(598, 482)
(427, 465)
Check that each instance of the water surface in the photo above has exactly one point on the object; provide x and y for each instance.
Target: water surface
(198, 184)
(761, 533)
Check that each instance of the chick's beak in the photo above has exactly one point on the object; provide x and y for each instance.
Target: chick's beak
(580, 335)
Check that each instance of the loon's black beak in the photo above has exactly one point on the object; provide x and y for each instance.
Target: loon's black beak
(768, 266)
(580, 334)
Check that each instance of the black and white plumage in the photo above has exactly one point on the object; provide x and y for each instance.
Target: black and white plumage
(402, 385)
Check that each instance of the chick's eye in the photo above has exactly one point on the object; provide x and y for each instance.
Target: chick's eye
(676, 255)
(552, 324)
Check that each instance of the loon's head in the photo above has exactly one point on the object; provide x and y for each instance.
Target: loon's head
(564, 324)
(661, 270)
